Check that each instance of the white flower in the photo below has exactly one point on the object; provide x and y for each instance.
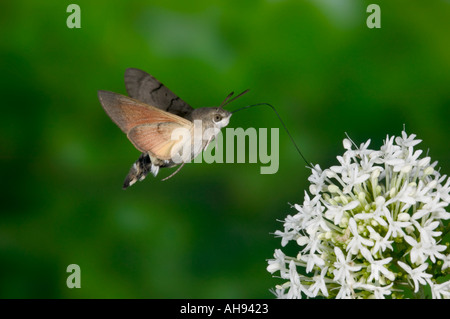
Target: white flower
(377, 216)
(336, 212)
(277, 264)
(406, 141)
(441, 291)
(395, 226)
(381, 243)
(377, 267)
(358, 242)
(436, 208)
(312, 260)
(378, 291)
(279, 292)
(346, 291)
(443, 191)
(427, 247)
(344, 267)
(417, 252)
(296, 286)
(433, 251)
(374, 213)
(319, 284)
(317, 223)
(353, 177)
(317, 180)
(418, 275)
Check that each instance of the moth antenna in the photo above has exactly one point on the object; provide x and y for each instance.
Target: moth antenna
(234, 98)
(173, 174)
(226, 99)
(284, 126)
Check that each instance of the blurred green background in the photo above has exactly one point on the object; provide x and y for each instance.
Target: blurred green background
(207, 232)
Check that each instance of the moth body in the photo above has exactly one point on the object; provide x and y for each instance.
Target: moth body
(158, 123)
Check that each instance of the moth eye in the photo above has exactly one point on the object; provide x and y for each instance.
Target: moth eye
(217, 118)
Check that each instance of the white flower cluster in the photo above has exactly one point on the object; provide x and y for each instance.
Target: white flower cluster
(372, 227)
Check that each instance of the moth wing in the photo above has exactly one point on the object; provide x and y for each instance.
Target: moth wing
(143, 87)
(157, 139)
(128, 113)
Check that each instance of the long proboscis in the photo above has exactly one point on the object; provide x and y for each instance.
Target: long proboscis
(284, 125)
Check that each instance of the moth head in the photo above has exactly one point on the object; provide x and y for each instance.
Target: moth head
(216, 117)
(221, 117)
(212, 116)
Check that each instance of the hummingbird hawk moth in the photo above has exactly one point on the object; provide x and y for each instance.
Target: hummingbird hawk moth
(151, 115)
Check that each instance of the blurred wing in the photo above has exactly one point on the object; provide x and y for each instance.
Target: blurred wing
(144, 87)
(128, 113)
(156, 139)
